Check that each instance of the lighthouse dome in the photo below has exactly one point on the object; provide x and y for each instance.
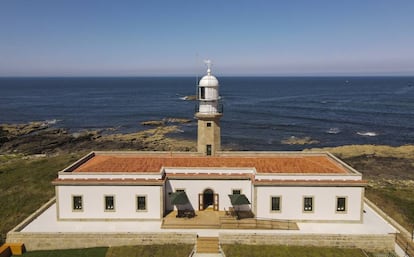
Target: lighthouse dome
(208, 81)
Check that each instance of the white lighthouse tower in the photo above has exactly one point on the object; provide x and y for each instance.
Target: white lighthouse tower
(208, 114)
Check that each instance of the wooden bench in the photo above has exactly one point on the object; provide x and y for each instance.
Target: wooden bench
(5, 251)
(16, 248)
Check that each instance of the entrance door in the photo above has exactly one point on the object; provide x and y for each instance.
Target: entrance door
(208, 198)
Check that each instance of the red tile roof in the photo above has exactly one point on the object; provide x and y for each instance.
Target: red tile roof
(263, 164)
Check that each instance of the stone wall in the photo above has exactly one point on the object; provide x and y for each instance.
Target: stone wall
(373, 243)
(49, 241)
(46, 241)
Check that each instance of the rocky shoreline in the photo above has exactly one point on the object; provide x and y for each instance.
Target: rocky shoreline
(42, 138)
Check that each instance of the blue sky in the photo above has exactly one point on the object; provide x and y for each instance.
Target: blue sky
(162, 38)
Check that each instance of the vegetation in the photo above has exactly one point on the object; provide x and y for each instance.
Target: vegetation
(397, 202)
(89, 252)
(173, 250)
(25, 185)
(182, 250)
(390, 185)
(291, 251)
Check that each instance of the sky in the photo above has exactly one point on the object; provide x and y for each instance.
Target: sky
(172, 38)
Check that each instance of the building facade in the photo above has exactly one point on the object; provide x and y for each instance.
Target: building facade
(295, 186)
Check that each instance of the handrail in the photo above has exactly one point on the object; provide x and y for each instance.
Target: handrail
(193, 251)
(405, 243)
(291, 225)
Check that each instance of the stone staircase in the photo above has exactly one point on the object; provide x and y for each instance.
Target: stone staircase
(208, 245)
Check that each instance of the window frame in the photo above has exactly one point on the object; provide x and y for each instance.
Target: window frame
(81, 203)
(271, 203)
(312, 204)
(236, 189)
(113, 203)
(345, 210)
(137, 203)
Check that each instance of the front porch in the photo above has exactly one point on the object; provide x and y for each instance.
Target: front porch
(209, 219)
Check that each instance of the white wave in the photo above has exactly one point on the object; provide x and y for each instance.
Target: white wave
(367, 134)
(333, 131)
(51, 122)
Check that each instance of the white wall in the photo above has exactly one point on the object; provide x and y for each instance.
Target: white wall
(324, 203)
(94, 203)
(221, 187)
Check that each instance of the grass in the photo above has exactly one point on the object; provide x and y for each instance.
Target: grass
(397, 202)
(89, 252)
(291, 251)
(183, 250)
(391, 185)
(172, 250)
(26, 185)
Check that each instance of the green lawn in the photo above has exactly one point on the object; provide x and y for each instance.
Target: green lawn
(291, 251)
(396, 201)
(176, 250)
(26, 185)
(90, 252)
(184, 250)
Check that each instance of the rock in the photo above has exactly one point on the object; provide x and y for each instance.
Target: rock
(177, 120)
(31, 138)
(166, 121)
(153, 123)
(299, 141)
(16, 130)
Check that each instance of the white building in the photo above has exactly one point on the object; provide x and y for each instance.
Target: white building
(131, 186)
(126, 198)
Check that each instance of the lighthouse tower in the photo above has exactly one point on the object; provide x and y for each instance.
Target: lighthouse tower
(208, 114)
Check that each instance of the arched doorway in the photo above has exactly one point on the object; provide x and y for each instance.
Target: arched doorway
(208, 198)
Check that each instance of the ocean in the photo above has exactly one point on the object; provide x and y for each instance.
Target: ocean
(260, 113)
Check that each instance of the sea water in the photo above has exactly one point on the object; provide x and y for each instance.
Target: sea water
(260, 113)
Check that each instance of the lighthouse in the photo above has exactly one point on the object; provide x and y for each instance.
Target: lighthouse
(209, 112)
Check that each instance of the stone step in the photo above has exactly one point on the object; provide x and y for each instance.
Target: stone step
(208, 245)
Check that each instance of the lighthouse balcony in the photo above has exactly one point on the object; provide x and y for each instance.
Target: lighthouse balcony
(209, 108)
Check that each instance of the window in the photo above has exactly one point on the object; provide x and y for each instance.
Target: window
(308, 204)
(208, 124)
(77, 203)
(109, 203)
(208, 149)
(236, 191)
(141, 203)
(202, 93)
(341, 204)
(180, 190)
(275, 203)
